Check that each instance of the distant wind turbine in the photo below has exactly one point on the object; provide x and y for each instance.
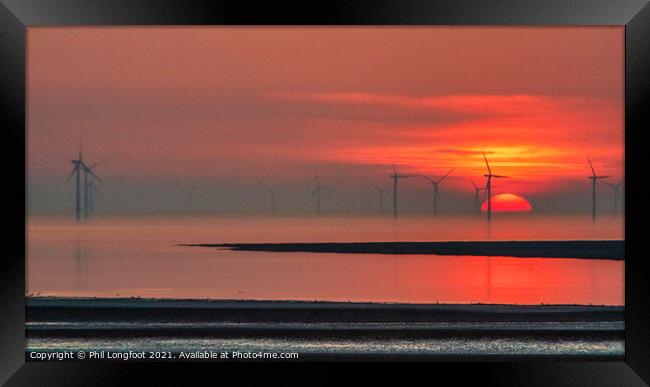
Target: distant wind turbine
(190, 196)
(272, 194)
(381, 192)
(617, 193)
(396, 176)
(78, 166)
(92, 189)
(594, 178)
(88, 186)
(477, 194)
(488, 186)
(436, 190)
(316, 193)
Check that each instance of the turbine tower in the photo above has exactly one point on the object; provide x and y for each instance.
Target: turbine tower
(594, 178)
(88, 186)
(272, 192)
(477, 195)
(617, 193)
(77, 166)
(190, 195)
(381, 192)
(92, 188)
(436, 190)
(396, 176)
(316, 193)
(488, 186)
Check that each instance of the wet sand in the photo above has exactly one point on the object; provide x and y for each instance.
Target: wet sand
(296, 318)
(328, 330)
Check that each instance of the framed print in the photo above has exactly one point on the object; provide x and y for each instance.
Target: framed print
(446, 182)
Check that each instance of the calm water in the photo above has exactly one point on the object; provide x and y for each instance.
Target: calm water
(123, 257)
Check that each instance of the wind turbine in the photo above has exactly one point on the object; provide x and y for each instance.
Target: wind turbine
(272, 192)
(317, 189)
(477, 194)
(190, 195)
(617, 192)
(88, 184)
(92, 188)
(436, 190)
(488, 186)
(396, 176)
(594, 178)
(77, 166)
(381, 192)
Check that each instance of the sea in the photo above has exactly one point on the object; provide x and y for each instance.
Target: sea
(143, 257)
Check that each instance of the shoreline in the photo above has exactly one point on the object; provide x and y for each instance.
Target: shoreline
(52, 301)
(577, 249)
(194, 310)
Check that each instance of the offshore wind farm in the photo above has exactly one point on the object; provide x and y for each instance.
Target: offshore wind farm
(306, 189)
(85, 188)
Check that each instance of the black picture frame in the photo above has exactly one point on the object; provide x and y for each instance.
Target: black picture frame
(17, 15)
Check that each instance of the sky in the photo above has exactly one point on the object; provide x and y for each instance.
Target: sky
(229, 110)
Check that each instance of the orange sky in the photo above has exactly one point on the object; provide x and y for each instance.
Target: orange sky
(175, 104)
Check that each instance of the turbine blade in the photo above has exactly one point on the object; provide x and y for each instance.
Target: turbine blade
(80, 144)
(74, 169)
(425, 177)
(501, 177)
(312, 195)
(593, 172)
(447, 174)
(94, 187)
(487, 164)
(96, 164)
(472, 181)
(93, 174)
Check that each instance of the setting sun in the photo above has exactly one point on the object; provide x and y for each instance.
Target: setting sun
(508, 203)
